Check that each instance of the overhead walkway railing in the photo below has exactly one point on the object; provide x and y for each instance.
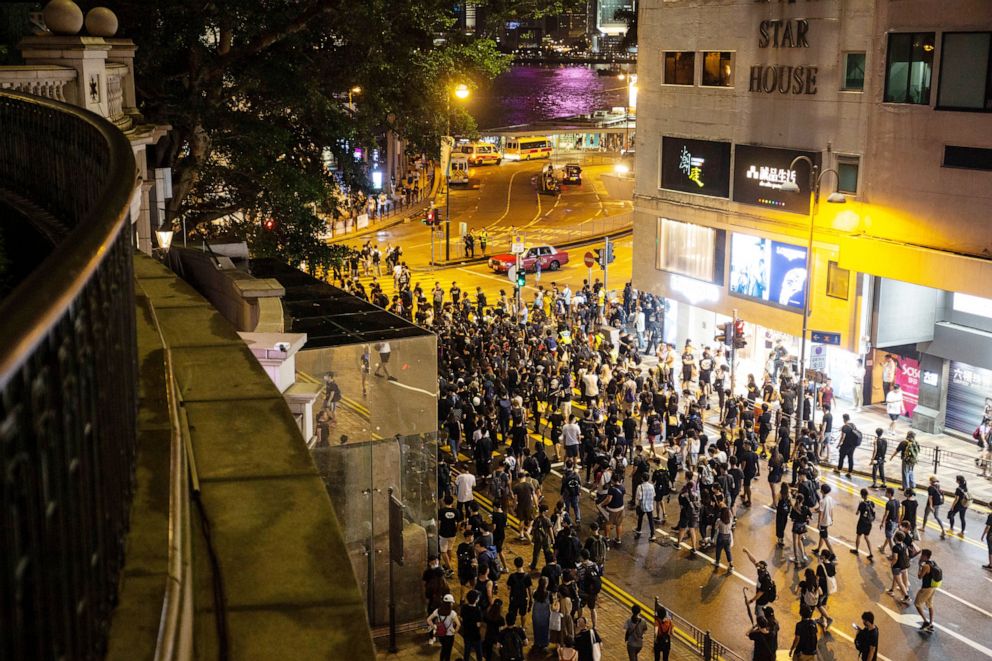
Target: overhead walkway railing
(67, 383)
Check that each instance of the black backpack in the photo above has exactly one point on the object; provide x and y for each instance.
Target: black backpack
(767, 586)
(858, 436)
(592, 583)
(572, 484)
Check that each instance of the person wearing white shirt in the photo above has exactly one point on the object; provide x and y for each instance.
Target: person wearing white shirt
(464, 486)
(825, 518)
(591, 382)
(645, 506)
(858, 384)
(571, 435)
(894, 405)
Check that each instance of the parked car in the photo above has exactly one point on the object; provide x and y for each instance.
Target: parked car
(549, 258)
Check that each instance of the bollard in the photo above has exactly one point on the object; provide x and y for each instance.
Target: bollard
(707, 646)
(936, 459)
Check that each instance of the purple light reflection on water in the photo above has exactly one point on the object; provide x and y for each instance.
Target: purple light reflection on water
(528, 93)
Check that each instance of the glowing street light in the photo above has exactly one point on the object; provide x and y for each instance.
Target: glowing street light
(462, 91)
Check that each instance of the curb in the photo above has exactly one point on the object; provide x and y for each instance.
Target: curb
(399, 219)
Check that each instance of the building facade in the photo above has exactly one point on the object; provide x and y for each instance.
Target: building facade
(890, 101)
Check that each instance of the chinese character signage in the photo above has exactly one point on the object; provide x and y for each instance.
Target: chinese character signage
(969, 396)
(759, 173)
(701, 167)
(767, 270)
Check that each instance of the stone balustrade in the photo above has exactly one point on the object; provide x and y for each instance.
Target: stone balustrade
(47, 80)
(116, 74)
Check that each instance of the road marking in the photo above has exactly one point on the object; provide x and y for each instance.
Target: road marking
(910, 619)
(509, 192)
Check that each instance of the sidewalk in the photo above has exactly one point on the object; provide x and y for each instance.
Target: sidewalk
(400, 216)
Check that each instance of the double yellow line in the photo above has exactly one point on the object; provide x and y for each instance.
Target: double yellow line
(609, 587)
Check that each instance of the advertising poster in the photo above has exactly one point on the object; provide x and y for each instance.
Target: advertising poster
(759, 173)
(907, 376)
(767, 270)
(701, 167)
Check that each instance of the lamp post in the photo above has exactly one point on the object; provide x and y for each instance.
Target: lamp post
(815, 178)
(351, 96)
(460, 91)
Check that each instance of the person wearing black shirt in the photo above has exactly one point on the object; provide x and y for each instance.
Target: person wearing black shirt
(585, 640)
(805, 641)
(762, 635)
(987, 536)
(494, 620)
(909, 508)
(878, 460)
(848, 443)
(750, 465)
(866, 517)
(447, 529)
(471, 616)
(866, 640)
(935, 498)
(519, 585)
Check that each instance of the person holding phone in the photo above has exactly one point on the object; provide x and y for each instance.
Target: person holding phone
(866, 640)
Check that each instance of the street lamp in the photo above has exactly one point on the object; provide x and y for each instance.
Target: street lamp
(351, 94)
(461, 92)
(815, 178)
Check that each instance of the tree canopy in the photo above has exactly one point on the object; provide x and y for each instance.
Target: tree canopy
(257, 95)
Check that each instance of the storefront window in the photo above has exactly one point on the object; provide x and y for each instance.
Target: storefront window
(692, 250)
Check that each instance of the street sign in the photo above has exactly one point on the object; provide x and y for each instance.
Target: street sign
(590, 259)
(818, 358)
(823, 337)
(511, 273)
(517, 247)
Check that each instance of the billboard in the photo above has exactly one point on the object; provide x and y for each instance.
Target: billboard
(701, 167)
(759, 173)
(767, 270)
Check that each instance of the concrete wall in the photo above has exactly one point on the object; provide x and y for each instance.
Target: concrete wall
(906, 313)
(913, 197)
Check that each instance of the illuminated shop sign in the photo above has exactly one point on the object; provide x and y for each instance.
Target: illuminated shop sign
(759, 173)
(767, 270)
(695, 166)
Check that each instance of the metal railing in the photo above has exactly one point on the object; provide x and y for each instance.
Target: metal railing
(68, 385)
(698, 640)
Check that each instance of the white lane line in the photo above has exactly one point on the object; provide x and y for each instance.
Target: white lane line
(413, 388)
(509, 192)
(912, 620)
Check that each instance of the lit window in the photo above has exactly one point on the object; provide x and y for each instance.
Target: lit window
(847, 174)
(854, 71)
(680, 68)
(718, 69)
(965, 71)
(909, 67)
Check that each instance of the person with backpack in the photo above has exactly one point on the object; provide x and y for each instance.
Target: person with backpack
(663, 629)
(909, 452)
(765, 591)
(931, 576)
(935, 498)
(961, 503)
(662, 490)
(890, 518)
(596, 544)
(850, 439)
(590, 583)
(866, 519)
(866, 640)
(571, 487)
(512, 643)
(444, 624)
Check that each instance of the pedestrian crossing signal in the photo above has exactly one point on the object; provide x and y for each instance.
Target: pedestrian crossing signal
(521, 277)
(725, 333)
(739, 341)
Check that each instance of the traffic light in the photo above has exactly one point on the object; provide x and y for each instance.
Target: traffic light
(609, 251)
(521, 277)
(725, 334)
(600, 257)
(429, 218)
(739, 341)
(269, 224)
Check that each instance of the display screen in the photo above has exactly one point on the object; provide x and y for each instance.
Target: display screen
(701, 167)
(767, 270)
(759, 173)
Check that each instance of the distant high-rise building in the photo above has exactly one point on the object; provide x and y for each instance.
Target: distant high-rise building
(606, 21)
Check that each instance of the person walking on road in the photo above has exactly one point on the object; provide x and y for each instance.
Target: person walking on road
(765, 591)
(931, 576)
(935, 498)
(987, 536)
(824, 518)
(909, 452)
(899, 561)
(518, 585)
(866, 640)
(805, 640)
(645, 502)
(878, 460)
(890, 518)
(962, 501)
(866, 519)
(471, 617)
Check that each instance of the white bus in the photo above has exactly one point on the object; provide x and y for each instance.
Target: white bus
(524, 149)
